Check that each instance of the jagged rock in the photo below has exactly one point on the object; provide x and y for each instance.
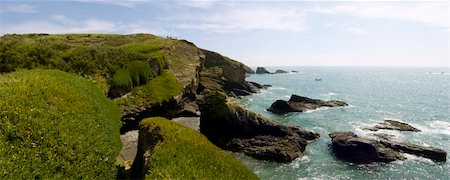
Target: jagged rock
(294, 71)
(261, 70)
(280, 71)
(391, 124)
(350, 147)
(301, 104)
(249, 70)
(232, 127)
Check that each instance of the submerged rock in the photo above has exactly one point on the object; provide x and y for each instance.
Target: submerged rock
(301, 104)
(261, 70)
(392, 124)
(232, 127)
(350, 147)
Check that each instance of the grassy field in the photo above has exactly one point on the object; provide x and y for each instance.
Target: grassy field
(183, 153)
(56, 125)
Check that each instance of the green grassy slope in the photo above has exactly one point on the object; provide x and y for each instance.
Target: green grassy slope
(186, 154)
(56, 125)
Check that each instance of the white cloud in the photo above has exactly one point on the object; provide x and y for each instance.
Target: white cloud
(18, 8)
(429, 13)
(123, 3)
(246, 18)
(62, 24)
(357, 30)
(205, 4)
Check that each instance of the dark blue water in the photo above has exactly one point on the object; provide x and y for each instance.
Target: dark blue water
(417, 96)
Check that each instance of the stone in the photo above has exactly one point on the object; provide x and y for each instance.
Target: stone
(280, 71)
(350, 147)
(261, 70)
(301, 104)
(232, 127)
(392, 124)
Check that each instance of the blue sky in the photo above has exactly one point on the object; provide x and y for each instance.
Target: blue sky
(260, 33)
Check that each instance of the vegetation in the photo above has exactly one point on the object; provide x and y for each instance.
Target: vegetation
(182, 153)
(85, 54)
(158, 90)
(56, 125)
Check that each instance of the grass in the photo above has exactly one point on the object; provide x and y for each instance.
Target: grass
(56, 125)
(160, 89)
(186, 154)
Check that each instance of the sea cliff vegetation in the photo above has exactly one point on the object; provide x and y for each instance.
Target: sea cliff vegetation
(63, 96)
(56, 125)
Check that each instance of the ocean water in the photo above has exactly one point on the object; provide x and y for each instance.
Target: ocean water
(417, 96)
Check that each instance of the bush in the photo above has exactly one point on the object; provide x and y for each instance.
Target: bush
(160, 89)
(56, 125)
(178, 152)
(139, 71)
(122, 79)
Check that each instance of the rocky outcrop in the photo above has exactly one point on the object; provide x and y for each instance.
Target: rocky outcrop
(392, 124)
(249, 70)
(350, 147)
(280, 71)
(301, 104)
(261, 70)
(232, 127)
(226, 75)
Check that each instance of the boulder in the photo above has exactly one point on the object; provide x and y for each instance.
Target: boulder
(261, 70)
(392, 124)
(350, 147)
(301, 104)
(232, 127)
(280, 71)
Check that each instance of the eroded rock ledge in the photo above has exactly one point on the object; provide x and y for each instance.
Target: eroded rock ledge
(350, 147)
(301, 104)
(392, 124)
(232, 127)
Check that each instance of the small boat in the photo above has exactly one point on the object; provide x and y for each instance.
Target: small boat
(318, 79)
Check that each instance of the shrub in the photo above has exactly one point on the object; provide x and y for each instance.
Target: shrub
(122, 79)
(160, 89)
(178, 152)
(56, 125)
(139, 71)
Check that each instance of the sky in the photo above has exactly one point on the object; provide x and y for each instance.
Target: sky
(260, 33)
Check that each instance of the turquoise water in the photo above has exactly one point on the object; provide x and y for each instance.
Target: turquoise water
(417, 96)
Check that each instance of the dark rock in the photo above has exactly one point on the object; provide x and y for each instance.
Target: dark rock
(232, 127)
(280, 71)
(350, 147)
(249, 70)
(294, 71)
(302, 104)
(261, 70)
(391, 124)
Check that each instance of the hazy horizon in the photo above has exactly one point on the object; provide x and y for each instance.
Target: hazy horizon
(260, 33)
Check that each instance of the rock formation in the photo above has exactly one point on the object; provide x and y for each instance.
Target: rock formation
(391, 124)
(280, 71)
(301, 104)
(350, 147)
(261, 70)
(232, 127)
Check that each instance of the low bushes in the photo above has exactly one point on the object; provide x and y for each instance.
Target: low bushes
(178, 152)
(56, 125)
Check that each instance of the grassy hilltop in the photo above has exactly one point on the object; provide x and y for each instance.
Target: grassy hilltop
(62, 97)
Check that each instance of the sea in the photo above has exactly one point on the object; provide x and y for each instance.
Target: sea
(417, 96)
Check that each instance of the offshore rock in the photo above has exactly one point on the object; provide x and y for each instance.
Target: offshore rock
(232, 127)
(301, 104)
(280, 71)
(350, 147)
(261, 70)
(392, 124)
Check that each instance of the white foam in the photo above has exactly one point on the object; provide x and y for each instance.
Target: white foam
(435, 127)
(318, 109)
(276, 88)
(411, 157)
